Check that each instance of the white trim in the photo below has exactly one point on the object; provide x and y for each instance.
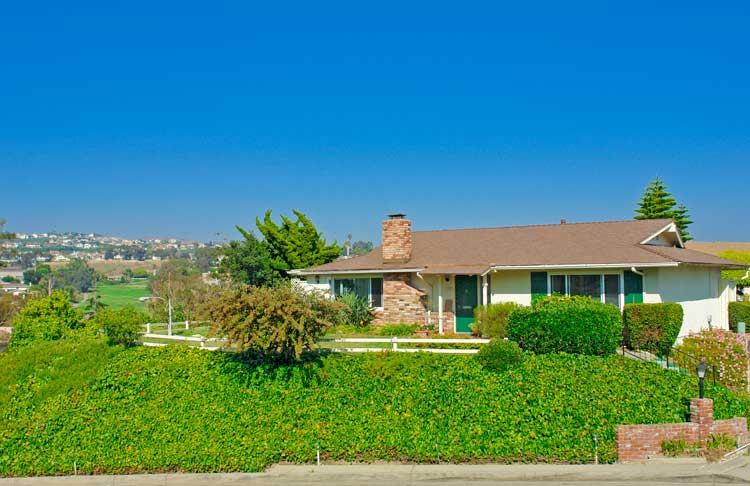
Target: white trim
(354, 272)
(671, 226)
(584, 266)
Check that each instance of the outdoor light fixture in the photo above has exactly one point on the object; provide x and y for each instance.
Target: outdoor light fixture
(701, 370)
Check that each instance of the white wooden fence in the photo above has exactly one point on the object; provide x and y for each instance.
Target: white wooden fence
(150, 326)
(394, 342)
(391, 343)
(204, 341)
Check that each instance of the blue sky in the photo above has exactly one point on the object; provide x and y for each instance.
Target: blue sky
(185, 119)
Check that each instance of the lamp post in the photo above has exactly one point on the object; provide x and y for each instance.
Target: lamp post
(701, 370)
(168, 301)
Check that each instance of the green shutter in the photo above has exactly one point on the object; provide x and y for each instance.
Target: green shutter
(633, 288)
(538, 285)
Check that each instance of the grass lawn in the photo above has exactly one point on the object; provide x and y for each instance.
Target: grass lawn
(128, 410)
(120, 295)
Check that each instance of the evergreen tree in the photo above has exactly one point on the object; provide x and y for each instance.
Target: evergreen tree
(295, 244)
(682, 220)
(657, 203)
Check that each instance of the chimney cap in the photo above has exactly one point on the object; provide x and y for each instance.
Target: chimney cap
(563, 221)
(396, 215)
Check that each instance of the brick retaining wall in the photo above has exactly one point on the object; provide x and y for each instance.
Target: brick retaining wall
(641, 442)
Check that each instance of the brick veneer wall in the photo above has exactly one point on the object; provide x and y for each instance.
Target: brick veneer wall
(401, 301)
(397, 242)
(641, 442)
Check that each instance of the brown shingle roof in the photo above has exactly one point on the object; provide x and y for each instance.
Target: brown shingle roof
(475, 250)
(716, 247)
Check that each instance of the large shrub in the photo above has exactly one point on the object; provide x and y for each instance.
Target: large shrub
(278, 322)
(722, 349)
(566, 324)
(500, 355)
(120, 326)
(490, 321)
(46, 319)
(356, 311)
(739, 312)
(652, 327)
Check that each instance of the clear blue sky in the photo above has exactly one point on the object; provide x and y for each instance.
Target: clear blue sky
(184, 119)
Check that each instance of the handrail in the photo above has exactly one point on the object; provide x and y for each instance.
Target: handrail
(664, 350)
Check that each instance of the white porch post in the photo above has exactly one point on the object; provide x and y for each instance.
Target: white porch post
(485, 290)
(440, 304)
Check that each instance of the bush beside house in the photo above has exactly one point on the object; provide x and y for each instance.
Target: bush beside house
(490, 321)
(652, 327)
(739, 312)
(557, 324)
(500, 355)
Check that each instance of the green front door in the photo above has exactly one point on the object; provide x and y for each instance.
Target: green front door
(466, 301)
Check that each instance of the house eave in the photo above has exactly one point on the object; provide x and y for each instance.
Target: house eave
(579, 266)
(354, 272)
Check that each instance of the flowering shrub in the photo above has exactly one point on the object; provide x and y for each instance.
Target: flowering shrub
(725, 350)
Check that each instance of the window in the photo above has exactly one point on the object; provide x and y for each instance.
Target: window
(587, 285)
(366, 288)
(558, 285)
(602, 288)
(612, 290)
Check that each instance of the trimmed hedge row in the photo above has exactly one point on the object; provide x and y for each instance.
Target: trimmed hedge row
(739, 312)
(652, 326)
(181, 409)
(567, 325)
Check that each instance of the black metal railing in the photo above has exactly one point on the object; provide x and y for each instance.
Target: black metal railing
(681, 361)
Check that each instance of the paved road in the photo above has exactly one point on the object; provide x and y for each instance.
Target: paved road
(736, 471)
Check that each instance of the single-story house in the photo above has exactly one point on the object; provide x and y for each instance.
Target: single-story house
(438, 277)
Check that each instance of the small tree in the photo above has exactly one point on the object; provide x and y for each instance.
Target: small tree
(46, 319)
(121, 326)
(5, 236)
(280, 322)
(249, 261)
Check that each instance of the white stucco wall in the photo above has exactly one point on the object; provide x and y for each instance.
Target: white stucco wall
(698, 289)
(511, 286)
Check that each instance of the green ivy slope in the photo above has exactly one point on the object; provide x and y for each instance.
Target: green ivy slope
(181, 409)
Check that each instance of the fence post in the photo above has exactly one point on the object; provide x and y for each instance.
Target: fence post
(187, 324)
(148, 328)
(394, 341)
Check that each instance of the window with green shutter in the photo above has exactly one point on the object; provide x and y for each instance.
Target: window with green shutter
(538, 285)
(633, 287)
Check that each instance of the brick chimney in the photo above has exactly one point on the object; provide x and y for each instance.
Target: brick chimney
(397, 242)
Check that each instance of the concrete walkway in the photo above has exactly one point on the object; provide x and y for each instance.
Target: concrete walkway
(736, 471)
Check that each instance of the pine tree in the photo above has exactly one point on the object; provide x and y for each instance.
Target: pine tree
(682, 220)
(658, 203)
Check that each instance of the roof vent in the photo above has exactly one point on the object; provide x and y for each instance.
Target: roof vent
(396, 216)
(563, 221)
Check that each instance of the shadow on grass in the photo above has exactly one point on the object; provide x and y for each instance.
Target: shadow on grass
(306, 368)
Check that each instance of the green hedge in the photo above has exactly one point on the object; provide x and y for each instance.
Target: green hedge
(567, 324)
(652, 327)
(180, 409)
(739, 312)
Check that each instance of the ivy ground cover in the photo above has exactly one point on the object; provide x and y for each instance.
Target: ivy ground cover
(181, 409)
